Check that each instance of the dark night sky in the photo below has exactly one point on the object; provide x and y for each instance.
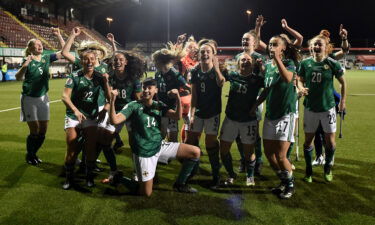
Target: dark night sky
(226, 21)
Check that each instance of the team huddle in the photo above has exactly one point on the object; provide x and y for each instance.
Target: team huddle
(105, 93)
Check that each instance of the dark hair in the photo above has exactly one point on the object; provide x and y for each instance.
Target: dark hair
(135, 68)
(291, 51)
(149, 82)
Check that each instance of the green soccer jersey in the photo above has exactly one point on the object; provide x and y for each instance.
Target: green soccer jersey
(166, 82)
(126, 90)
(85, 93)
(145, 123)
(102, 68)
(208, 93)
(37, 76)
(255, 55)
(242, 95)
(318, 77)
(282, 96)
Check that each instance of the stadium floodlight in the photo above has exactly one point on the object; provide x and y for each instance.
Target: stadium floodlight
(248, 13)
(109, 20)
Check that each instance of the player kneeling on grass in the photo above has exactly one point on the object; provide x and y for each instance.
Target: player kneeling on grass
(244, 89)
(80, 96)
(317, 73)
(147, 143)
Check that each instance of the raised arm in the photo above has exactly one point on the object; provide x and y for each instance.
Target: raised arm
(66, 49)
(285, 74)
(258, 25)
(294, 33)
(344, 44)
(175, 114)
(111, 38)
(220, 79)
(21, 72)
(113, 117)
(180, 40)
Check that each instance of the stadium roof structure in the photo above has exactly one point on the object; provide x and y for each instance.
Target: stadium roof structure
(85, 4)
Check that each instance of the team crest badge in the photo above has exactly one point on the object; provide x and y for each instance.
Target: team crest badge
(43, 61)
(326, 66)
(212, 76)
(103, 70)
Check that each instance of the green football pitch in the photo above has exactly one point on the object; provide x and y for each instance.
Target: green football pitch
(33, 195)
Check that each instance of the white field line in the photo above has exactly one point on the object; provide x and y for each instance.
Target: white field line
(362, 94)
(6, 110)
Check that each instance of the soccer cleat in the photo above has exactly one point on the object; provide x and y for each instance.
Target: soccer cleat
(258, 169)
(69, 182)
(184, 188)
(36, 158)
(287, 193)
(328, 176)
(90, 180)
(319, 161)
(215, 185)
(98, 169)
(279, 189)
(241, 167)
(31, 160)
(308, 179)
(250, 181)
(229, 181)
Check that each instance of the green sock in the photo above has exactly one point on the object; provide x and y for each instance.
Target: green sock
(213, 156)
(187, 167)
(228, 164)
(258, 150)
(110, 156)
(250, 165)
(130, 184)
(330, 153)
(31, 143)
(240, 149)
(289, 150)
(308, 153)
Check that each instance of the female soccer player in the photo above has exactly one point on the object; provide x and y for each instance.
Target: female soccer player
(128, 70)
(280, 110)
(317, 74)
(244, 89)
(207, 82)
(147, 144)
(80, 96)
(188, 62)
(169, 78)
(34, 97)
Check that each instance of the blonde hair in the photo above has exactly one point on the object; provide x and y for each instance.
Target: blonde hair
(168, 54)
(253, 33)
(92, 45)
(209, 42)
(30, 46)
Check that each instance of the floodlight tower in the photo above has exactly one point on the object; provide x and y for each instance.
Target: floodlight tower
(109, 21)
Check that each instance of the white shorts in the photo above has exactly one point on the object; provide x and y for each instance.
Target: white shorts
(105, 124)
(69, 123)
(326, 119)
(259, 111)
(145, 167)
(168, 125)
(248, 131)
(281, 129)
(34, 108)
(210, 125)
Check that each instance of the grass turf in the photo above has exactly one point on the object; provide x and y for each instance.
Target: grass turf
(33, 195)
